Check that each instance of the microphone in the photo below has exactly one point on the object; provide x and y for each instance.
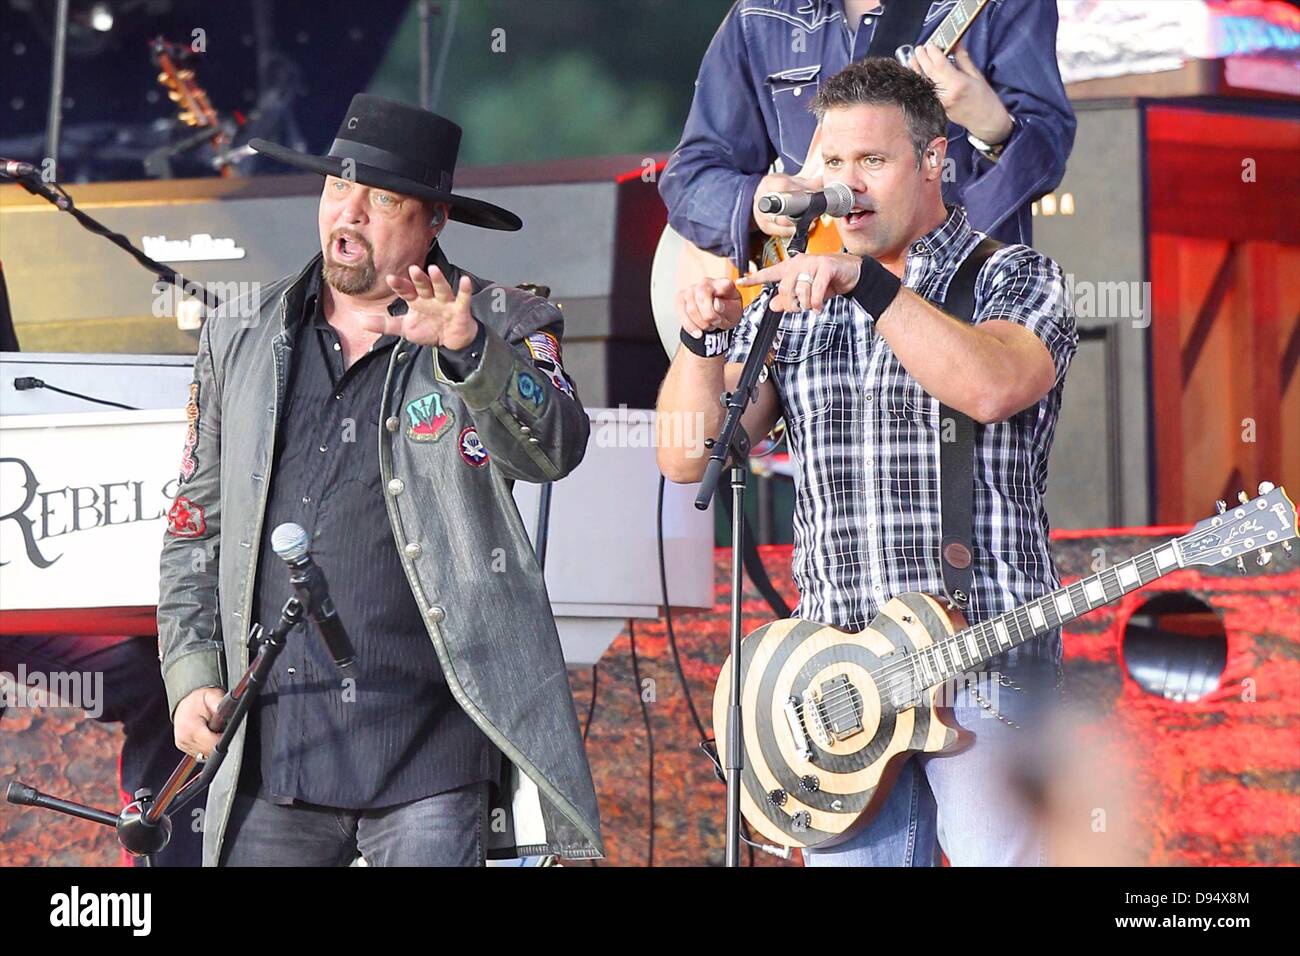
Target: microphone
(836, 201)
(290, 541)
(15, 169)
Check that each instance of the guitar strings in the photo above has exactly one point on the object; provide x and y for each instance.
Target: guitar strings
(840, 703)
(884, 676)
(905, 674)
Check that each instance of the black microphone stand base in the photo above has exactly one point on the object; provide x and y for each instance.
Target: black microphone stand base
(143, 826)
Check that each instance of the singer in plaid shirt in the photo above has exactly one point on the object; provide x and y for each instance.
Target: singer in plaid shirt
(864, 437)
(860, 362)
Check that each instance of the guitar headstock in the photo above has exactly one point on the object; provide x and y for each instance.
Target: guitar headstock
(1252, 525)
(174, 62)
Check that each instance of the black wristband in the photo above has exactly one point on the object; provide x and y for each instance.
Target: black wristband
(876, 288)
(710, 344)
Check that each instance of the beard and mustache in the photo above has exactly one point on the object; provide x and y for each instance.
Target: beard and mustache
(349, 278)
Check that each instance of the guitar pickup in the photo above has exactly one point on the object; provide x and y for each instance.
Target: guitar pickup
(844, 714)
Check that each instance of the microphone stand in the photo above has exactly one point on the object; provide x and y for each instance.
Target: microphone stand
(144, 825)
(732, 442)
(61, 200)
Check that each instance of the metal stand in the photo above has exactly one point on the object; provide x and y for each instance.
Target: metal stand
(63, 201)
(732, 442)
(144, 826)
(54, 118)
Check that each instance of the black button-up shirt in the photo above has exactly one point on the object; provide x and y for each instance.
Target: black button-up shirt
(386, 730)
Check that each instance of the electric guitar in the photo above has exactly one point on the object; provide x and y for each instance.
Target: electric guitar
(829, 717)
(177, 75)
(679, 264)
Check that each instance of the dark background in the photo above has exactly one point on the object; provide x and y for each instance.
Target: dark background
(577, 77)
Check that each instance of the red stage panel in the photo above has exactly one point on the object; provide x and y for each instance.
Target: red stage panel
(1225, 278)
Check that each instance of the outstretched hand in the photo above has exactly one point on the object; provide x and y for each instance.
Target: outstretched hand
(435, 315)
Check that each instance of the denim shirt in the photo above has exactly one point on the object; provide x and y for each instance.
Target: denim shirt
(764, 67)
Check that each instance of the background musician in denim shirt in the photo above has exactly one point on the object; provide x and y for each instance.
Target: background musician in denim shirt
(765, 65)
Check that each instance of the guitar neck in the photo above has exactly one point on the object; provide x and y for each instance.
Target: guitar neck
(971, 647)
(954, 25)
(1251, 526)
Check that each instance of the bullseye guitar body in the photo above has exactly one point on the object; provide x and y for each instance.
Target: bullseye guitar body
(828, 717)
(815, 786)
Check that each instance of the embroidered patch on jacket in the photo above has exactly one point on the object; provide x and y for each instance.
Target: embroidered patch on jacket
(529, 392)
(471, 447)
(185, 518)
(544, 346)
(426, 419)
(557, 377)
(189, 456)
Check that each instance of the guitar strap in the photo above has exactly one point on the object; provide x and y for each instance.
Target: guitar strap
(899, 25)
(957, 447)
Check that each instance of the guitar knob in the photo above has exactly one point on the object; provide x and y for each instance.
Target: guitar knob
(1241, 496)
(1221, 505)
(809, 783)
(1263, 557)
(1265, 487)
(801, 820)
(776, 797)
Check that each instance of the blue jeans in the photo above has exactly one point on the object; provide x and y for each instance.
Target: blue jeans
(446, 829)
(963, 802)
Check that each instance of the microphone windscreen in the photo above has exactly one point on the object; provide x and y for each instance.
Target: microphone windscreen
(289, 541)
(839, 200)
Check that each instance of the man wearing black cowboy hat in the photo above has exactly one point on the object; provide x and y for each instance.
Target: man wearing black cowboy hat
(385, 400)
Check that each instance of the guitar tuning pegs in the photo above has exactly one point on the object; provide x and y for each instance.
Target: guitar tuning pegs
(1265, 487)
(1241, 565)
(1263, 557)
(1286, 546)
(1221, 505)
(1241, 496)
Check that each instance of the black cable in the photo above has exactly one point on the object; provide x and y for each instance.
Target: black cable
(650, 740)
(753, 564)
(26, 382)
(668, 617)
(591, 709)
(706, 742)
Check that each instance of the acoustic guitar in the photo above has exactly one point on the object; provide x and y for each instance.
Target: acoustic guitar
(828, 717)
(679, 264)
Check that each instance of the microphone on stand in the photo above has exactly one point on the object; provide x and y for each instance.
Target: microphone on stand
(836, 201)
(290, 542)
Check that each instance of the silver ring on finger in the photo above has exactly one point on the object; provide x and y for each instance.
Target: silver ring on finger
(803, 277)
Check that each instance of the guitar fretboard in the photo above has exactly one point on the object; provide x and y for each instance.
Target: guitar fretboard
(955, 24)
(974, 645)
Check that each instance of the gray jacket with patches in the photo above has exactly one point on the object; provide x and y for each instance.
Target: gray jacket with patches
(493, 632)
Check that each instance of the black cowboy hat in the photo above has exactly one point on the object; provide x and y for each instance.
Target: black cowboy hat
(391, 145)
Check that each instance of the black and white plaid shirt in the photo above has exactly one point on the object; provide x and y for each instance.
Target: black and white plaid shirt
(864, 441)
